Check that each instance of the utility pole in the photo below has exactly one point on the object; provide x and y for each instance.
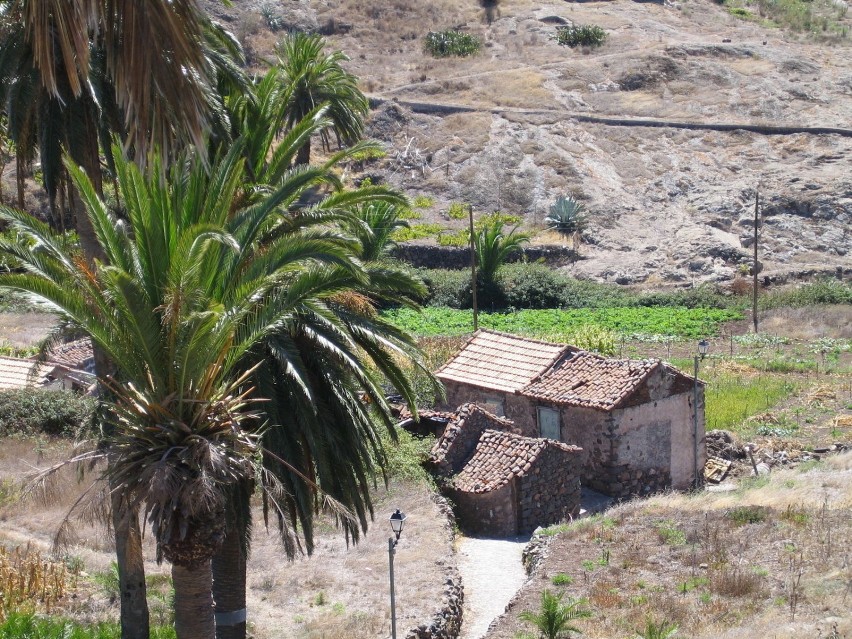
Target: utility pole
(754, 267)
(473, 270)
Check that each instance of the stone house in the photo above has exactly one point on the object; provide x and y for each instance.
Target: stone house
(504, 483)
(633, 419)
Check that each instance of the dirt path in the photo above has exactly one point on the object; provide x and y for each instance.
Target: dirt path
(492, 573)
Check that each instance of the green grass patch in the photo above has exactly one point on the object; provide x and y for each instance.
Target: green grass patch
(30, 626)
(742, 515)
(670, 533)
(551, 323)
(457, 211)
(731, 399)
(561, 579)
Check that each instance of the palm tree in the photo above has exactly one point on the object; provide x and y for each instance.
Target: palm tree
(186, 294)
(373, 225)
(316, 372)
(312, 79)
(653, 630)
(554, 618)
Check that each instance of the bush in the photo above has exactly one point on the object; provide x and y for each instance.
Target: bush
(32, 412)
(822, 291)
(442, 44)
(533, 286)
(704, 296)
(447, 287)
(586, 35)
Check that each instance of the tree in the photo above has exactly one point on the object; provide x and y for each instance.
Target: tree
(186, 292)
(151, 59)
(373, 225)
(493, 247)
(312, 79)
(554, 618)
(321, 375)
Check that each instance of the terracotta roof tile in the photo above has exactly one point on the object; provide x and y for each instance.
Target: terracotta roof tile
(77, 355)
(499, 457)
(16, 373)
(586, 379)
(500, 361)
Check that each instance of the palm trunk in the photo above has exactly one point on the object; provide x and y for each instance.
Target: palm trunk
(194, 601)
(229, 587)
(303, 156)
(131, 570)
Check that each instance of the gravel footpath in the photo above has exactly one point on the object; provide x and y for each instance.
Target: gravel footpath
(492, 573)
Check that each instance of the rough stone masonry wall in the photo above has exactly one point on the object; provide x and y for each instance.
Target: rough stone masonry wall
(550, 492)
(492, 513)
(447, 620)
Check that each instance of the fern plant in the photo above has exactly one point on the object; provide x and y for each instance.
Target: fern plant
(567, 216)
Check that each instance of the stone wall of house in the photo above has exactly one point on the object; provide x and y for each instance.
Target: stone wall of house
(659, 435)
(588, 429)
(515, 407)
(550, 491)
(491, 513)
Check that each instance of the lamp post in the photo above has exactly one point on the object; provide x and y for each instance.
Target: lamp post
(703, 347)
(397, 521)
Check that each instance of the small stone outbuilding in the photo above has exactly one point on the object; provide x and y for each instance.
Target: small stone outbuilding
(634, 420)
(504, 483)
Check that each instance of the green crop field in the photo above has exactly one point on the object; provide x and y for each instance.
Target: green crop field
(687, 323)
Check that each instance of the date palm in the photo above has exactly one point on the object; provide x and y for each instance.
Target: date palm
(187, 291)
(321, 375)
(553, 620)
(311, 79)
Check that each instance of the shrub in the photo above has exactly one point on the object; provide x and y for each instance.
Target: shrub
(567, 216)
(447, 287)
(533, 286)
(742, 515)
(416, 232)
(454, 238)
(821, 291)
(31, 412)
(442, 44)
(423, 202)
(586, 35)
(554, 617)
(457, 211)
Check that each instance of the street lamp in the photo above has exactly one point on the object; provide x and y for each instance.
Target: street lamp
(397, 521)
(703, 347)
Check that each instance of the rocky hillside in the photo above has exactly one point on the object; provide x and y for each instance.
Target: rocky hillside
(510, 129)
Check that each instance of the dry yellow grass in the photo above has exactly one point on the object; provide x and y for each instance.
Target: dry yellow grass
(769, 559)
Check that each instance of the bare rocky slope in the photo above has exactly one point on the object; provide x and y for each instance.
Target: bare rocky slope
(510, 128)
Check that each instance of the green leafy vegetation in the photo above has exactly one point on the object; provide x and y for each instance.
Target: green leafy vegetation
(416, 232)
(682, 322)
(585, 35)
(731, 399)
(442, 44)
(422, 202)
(45, 412)
(554, 618)
(822, 291)
(561, 579)
(457, 211)
(670, 533)
(808, 16)
(742, 515)
(30, 626)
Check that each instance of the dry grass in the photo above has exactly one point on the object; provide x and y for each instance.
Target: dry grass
(338, 592)
(770, 559)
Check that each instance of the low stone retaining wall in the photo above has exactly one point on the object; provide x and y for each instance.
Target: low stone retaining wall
(455, 257)
(447, 620)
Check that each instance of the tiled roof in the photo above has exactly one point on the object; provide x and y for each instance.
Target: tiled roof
(499, 457)
(77, 355)
(16, 373)
(586, 379)
(468, 418)
(501, 362)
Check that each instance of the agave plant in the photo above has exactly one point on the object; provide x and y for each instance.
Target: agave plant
(567, 216)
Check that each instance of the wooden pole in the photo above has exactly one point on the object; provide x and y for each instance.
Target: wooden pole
(754, 268)
(473, 270)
